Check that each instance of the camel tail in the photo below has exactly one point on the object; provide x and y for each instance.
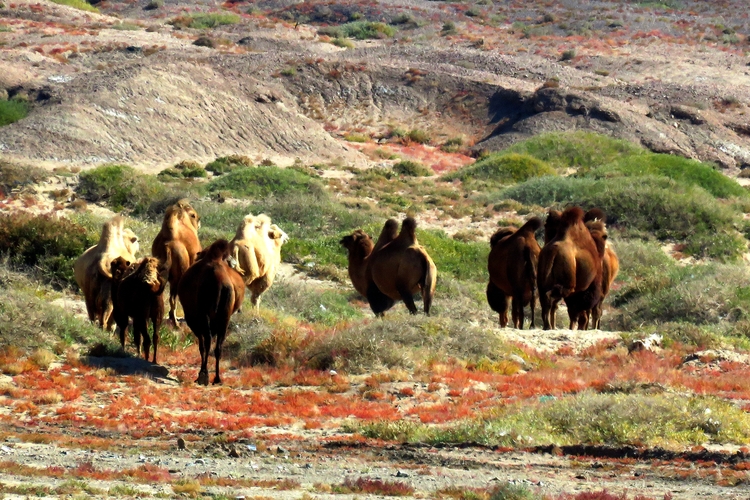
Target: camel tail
(530, 271)
(428, 289)
(104, 268)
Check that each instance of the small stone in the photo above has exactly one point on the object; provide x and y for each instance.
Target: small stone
(281, 451)
(401, 474)
(180, 443)
(233, 453)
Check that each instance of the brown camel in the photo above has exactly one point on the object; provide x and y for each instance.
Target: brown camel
(570, 263)
(399, 269)
(256, 253)
(210, 292)
(139, 295)
(595, 222)
(512, 267)
(359, 246)
(179, 234)
(92, 269)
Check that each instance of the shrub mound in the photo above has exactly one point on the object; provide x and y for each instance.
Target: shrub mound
(501, 169)
(262, 181)
(122, 187)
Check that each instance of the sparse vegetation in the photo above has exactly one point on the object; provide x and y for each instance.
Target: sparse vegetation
(411, 169)
(121, 186)
(205, 20)
(12, 111)
(501, 169)
(261, 181)
(225, 164)
(78, 4)
(361, 30)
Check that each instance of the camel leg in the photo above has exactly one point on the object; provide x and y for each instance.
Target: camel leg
(426, 300)
(219, 326)
(140, 332)
(123, 327)
(379, 302)
(498, 302)
(172, 304)
(553, 313)
(545, 303)
(517, 311)
(596, 316)
(532, 307)
(200, 327)
(156, 317)
(407, 297)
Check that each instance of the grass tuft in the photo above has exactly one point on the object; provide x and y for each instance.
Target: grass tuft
(78, 4)
(13, 110)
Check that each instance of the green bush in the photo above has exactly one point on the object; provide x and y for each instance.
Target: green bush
(654, 205)
(78, 4)
(262, 181)
(122, 187)
(28, 321)
(579, 150)
(361, 30)
(13, 175)
(456, 258)
(13, 110)
(411, 169)
(452, 145)
(501, 169)
(682, 170)
(225, 164)
(205, 20)
(193, 172)
(419, 136)
(44, 242)
(588, 418)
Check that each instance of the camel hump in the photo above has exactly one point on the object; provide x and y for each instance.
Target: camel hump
(409, 231)
(595, 214)
(218, 250)
(531, 225)
(572, 215)
(500, 234)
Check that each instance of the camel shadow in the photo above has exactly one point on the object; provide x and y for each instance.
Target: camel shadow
(123, 363)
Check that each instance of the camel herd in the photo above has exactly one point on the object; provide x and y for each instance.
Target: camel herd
(576, 265)
(210, 283)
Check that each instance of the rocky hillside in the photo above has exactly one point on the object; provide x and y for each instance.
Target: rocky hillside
(149, 85)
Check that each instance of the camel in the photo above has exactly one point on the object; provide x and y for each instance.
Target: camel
(512, 267)
(359, 247)
(570, 263)
(399, 269)
(138, 294)
(595, 223)
(256, 254)
(210, 292)
(179, 234)
(92, 269)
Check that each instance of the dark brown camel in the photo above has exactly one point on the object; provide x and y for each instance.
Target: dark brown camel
(570, 263)
(210, 292)
(139, 295)
(512, 267)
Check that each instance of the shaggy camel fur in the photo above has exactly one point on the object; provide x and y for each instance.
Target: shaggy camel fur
(256, 253)
(570, 263)
(595, 222)
(210, 292)
(359, 246)
(92, 269)
(179, 234)
(512, 266)
(139, 295)
(399, 269)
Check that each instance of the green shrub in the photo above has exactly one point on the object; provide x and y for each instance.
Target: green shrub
(452, 145)
(589, 418)
(154, 4)
(12, 110)
(262, 181)
(288, 72)
(579, 150)
(411, 169)
(342, 42)
(655, 205)
(449, 28)
(419, 136)
(361, 30)
(28, 321)
(205, 20)
(682, 170)
(193, 172)
(567, 55)
(456, 258)
(13, 175)
(503, 169)
(225, 164)
(353, 137)
(169, 174)
(78, 4)
(122, 187)
(44, 242)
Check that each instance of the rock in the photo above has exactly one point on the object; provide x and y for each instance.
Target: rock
(233, 453)
(401, 474)
(180, 443)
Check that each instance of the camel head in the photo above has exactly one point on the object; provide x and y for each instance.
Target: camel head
(182, 213)
(118, 267)
(277, 235)
(595, 214)
(358, 244)
(130, 240)
(218, 250)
